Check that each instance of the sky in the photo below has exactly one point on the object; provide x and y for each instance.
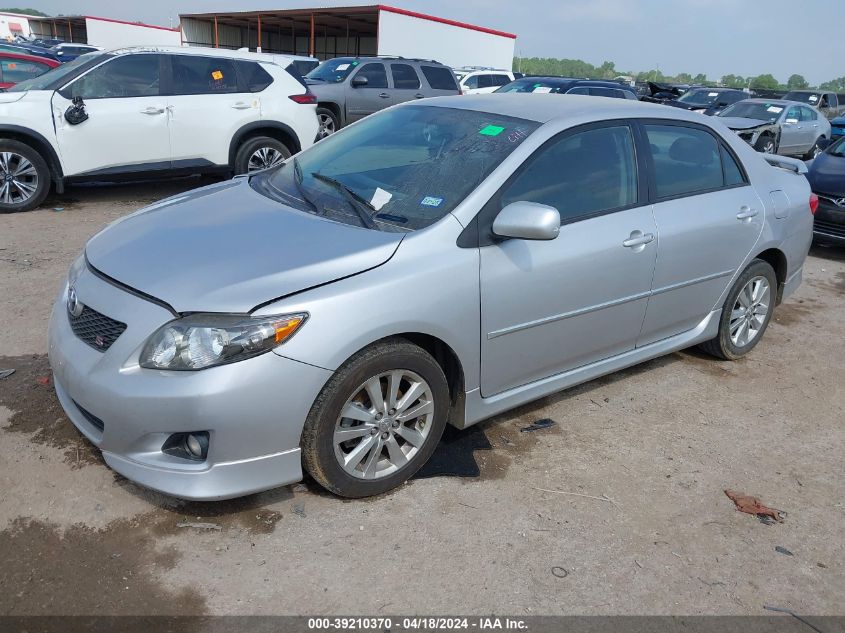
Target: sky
(715, 37)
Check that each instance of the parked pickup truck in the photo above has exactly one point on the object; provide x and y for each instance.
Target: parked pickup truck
(828, 103)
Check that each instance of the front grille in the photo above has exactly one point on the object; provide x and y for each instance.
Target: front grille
(93, 419)
(96, 329)
(829, 228)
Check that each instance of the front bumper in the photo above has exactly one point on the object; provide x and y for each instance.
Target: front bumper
(253, 410)
(829, 222)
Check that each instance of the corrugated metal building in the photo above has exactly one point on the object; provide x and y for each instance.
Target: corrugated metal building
(104, 32)
(359, 30)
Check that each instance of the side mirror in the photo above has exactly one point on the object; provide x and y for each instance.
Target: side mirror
(358, 82)
(824, 143)
(527, 221)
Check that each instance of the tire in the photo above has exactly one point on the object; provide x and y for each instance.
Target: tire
(373, 473)
(329, 123)
(24, 177)
(815, 150)
(735, 317)
(766, 144)
(260, 152)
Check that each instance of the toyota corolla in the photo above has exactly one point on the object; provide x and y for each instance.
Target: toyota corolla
(437, 263)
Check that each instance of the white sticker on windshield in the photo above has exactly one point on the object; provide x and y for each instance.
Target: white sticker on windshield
(542, 90)
(813, 98)
(712, 94)
(380, 198)
(774, 109)
(342, 67)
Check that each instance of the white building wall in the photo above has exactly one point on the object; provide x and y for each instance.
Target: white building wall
(6, 32)
(108, 34)
(454, 46)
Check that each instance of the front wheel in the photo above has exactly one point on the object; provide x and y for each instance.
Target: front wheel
(24, 177)
(766, 144)
(746, 312)
(260, 152)
(377, 420)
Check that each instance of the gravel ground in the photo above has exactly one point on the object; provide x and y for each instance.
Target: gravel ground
(643, 457)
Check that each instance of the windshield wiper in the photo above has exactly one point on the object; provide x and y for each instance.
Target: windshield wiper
(297, 179)
(359, 204)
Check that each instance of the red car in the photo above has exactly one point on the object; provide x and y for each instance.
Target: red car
(14, 67)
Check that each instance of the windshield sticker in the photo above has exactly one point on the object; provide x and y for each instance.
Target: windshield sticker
(542, 90)
(774, 109)
(491, 130)
(216, 75)
(712, 94)
(431, 201)
(342, 67)
(354, 63)
(813, 98)
(380, 198)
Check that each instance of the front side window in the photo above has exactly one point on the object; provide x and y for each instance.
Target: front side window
(793, 115)
(375, 74)
(686, 160)
(404, 77)
(60, 75)
(614, 93)
(579, 90)
(198, 75)
(125, 76)
(471, 82)
(410, 166)
(439, 77)
(581, 174)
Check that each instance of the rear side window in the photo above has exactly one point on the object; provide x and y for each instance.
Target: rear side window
(582, 174)
(439, 77)
(375, 73)
(733, 174)
(404, 77)
(579, 90)
(615, 93)
(125, 76)
(255, 78)
(500, 80)
(485, 81)
(197, 75)
(14, 71)
(686, 160)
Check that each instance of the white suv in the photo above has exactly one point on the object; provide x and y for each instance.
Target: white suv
(142, 111)
(472, 80)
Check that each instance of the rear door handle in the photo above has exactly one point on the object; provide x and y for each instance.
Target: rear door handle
(240, 105)
(384, 95)
(419, 96)
(152, 110)
(746, 213)
(638, 238)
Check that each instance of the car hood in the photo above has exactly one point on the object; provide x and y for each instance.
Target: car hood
(227, 248)
(827, 175)
(741, 123)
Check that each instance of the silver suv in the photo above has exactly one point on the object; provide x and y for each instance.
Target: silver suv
(350, 88)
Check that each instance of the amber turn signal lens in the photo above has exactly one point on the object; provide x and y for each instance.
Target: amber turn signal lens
(285, 329)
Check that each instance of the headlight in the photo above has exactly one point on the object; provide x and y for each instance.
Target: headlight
(206, 340)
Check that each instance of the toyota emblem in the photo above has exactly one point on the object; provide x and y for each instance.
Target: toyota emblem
(74, 305)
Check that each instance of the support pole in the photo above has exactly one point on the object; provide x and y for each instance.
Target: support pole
(312, 35)
(216, 35)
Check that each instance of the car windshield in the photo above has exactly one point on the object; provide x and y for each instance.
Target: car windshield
(760, 111)
(49, 79)
(399, 170)
(531, 84)
(804, 97)
(699, 97)
(333, 71)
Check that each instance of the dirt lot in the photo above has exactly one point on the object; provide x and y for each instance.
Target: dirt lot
(644, 456)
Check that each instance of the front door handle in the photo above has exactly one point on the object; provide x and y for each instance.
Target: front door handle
(152, 110)
(419, 96)
(638, 238)
(240, 105)
(746, 213)
(384, 95)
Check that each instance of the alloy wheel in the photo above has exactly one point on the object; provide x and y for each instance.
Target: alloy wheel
(768, 147)
(264, 157)
(383, 425)
(326, 125)
(750, 311)
(18, 178)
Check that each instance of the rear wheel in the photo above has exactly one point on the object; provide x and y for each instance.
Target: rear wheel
(815, 150)
(24, 177)
(328, 122)
(377, 420)
(260, 152)
(746, 312)
(766, 144)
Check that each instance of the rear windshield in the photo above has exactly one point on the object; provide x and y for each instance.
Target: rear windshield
(333, 71)
(409, 165)
(813, 98)
(531, 84)
(59, 76)
(761, 111)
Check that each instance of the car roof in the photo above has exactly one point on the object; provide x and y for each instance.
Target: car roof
(543, 108)
(193, 50)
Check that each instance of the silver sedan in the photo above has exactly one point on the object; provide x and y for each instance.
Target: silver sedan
(437, 263)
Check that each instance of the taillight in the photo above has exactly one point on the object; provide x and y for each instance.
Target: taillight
(814, 203)
(309, 98)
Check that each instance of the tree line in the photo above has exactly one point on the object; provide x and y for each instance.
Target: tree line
(607, 70)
